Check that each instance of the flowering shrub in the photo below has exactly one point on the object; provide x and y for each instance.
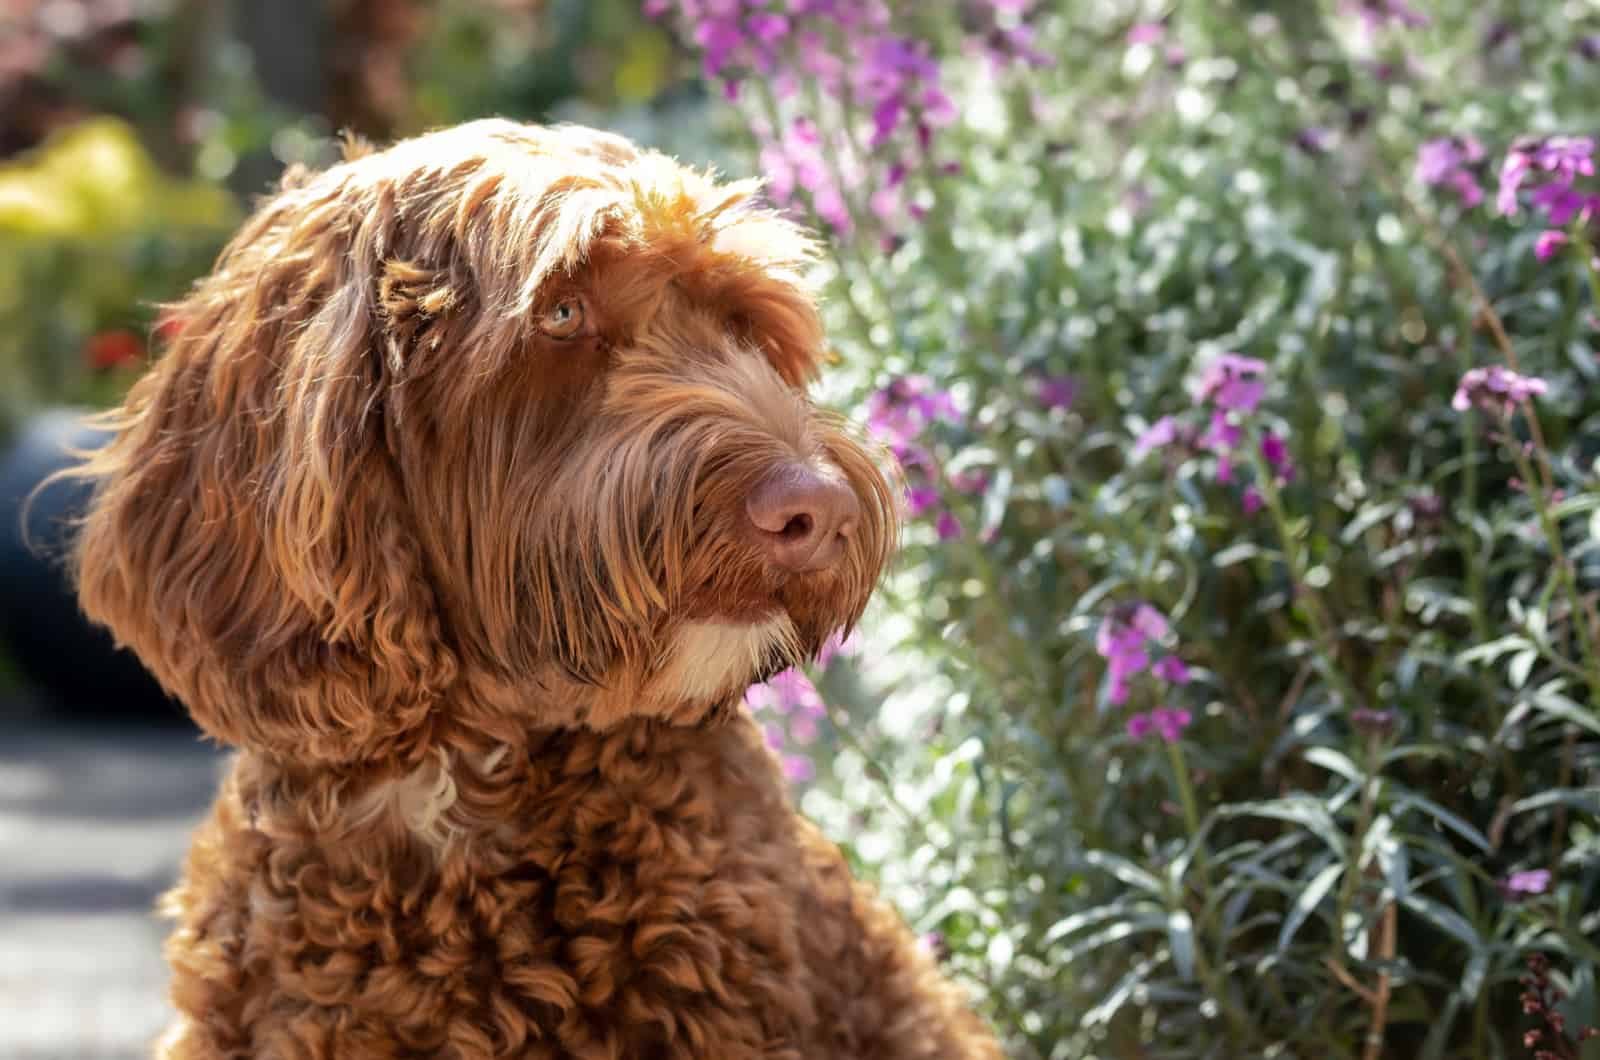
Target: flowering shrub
(1236, 693)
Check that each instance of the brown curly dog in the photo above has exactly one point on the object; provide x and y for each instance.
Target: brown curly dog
(478, 482)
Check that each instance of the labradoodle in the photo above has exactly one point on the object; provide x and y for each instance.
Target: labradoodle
(477, 483)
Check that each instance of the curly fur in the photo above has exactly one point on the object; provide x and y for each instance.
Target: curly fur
(478, 607)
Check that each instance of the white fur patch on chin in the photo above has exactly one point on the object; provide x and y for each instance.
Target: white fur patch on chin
(712, 659)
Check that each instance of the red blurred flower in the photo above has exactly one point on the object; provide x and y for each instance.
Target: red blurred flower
(168, 326)
(113, 349)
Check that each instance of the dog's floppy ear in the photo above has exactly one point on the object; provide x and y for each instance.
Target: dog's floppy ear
(248, 536)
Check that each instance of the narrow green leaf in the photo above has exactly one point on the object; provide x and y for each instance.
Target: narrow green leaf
(1307, 902)
(1107, 1006)
(1099, 914)
(1443, 816)
(1124, 870)
(1445, 919)
(1308, 812)
(1334, 762)
(1559, 706)
(1180, 936)
(1586, 800)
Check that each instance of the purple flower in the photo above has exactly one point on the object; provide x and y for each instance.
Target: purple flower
(948, 526)
(1313, 140)
(1252, 501)
(1549, 244)
(1375, 14)
(1275, 451)
(1158, 435)
(1170, 668)
(1055, 391)
(1170, 722)
(1557, 162)
(1529, 881)
(1444, 162)
(836, 646)
(1234, 383)
(920, 499)
(1496, 389)
(900, 412)
(1146, 33)
(799, 769)
(1121, 640)
(1223, 435)
(1150, 622)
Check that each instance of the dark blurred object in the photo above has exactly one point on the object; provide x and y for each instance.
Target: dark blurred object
(55, 648)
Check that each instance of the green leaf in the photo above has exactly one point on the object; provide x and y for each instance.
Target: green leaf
(1107, 1006)
(1115, 933)
(1124, 870)
(1307, 902)
(1303, 810)
(1100, 913)
(1180, 936)
(1520, 667)
(1586, 800)
(1558, 706)
(1445, 919)
(1494, 649)
(1334, 762)
(1443, 816)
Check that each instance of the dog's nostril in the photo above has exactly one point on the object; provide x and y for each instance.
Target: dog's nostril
(798, 528)
(802, 517)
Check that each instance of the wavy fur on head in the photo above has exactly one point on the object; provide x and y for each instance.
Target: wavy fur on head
(435, 507)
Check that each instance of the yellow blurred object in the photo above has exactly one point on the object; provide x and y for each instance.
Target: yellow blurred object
(95, 178)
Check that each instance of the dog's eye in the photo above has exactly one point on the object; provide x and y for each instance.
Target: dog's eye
(564, 319)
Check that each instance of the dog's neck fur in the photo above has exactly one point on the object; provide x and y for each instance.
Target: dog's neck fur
(465, 782)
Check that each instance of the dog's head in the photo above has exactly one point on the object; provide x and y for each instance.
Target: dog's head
(501, 426)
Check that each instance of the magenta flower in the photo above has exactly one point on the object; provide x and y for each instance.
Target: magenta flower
(948, 526)
(836, 646)
(1549, 244)
(1556, 164)
(1496, 389)
(921, 499)
(901, 411)
(1234, 383)
(1167, 722)
(1146, 33)
(1251, 500)
(1530, 881)
(1121, 640)
(1055, 391)
(1158, 435)
(1170, 668)
(799, 769)
(1275, 451)
(1170, 722)
(1447, 162)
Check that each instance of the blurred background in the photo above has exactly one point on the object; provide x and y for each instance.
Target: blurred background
(1236, 692)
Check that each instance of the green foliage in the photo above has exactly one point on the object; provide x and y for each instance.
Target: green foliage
(1393, 673)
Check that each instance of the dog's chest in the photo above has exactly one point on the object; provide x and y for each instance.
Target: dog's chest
(627, 906)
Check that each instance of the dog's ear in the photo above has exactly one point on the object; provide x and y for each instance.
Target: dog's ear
(248, 536)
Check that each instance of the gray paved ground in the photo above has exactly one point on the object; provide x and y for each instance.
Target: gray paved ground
(93, 822)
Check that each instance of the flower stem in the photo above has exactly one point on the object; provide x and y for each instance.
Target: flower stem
(1180, 774)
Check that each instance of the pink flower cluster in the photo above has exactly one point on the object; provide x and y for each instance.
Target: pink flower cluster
(1230, 391)
(900, 414)
(1547, 172)
(1452, 162)
(1496, 389)
(861, 76)
(1124, 640)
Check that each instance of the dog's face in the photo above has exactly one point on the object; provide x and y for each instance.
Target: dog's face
(501, 426)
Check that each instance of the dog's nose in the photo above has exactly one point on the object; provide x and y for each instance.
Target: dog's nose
(803, 517)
